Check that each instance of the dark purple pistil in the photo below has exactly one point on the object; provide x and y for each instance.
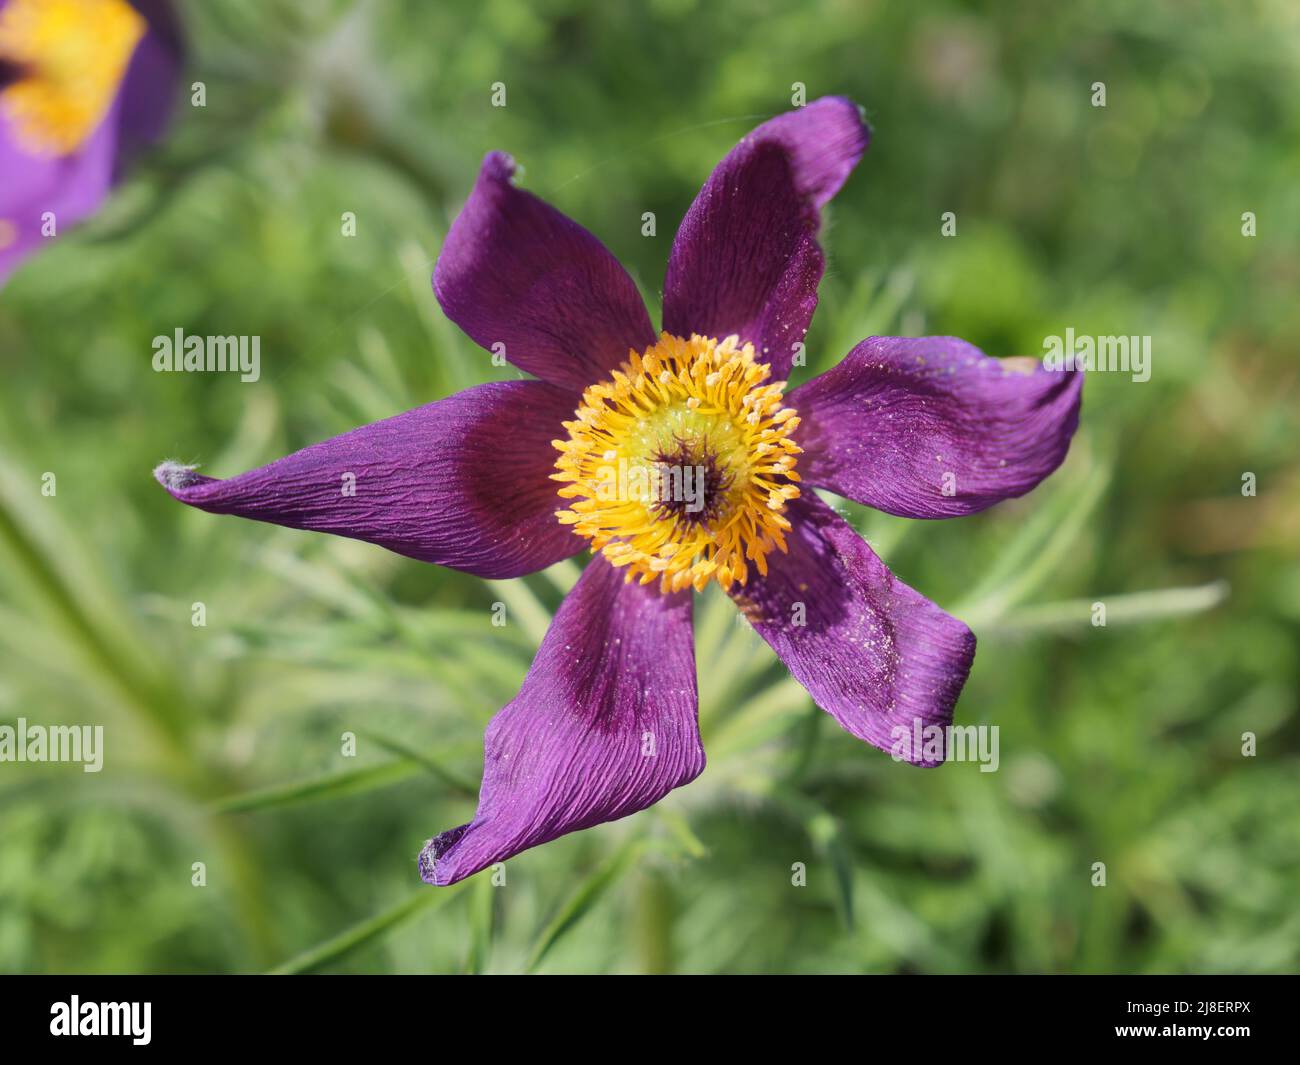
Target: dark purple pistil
(693, 483)
(10, 72)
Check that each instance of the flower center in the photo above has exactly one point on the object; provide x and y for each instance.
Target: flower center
(64, 60)
(681, 465)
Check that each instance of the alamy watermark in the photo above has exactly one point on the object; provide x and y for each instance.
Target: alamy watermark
(214, 354)
(131, 1019)
(655, 482)
(53, 743)
(946, 743)
(1098, 354)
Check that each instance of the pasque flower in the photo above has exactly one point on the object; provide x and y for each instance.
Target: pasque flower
(606, 721)
(83, 84)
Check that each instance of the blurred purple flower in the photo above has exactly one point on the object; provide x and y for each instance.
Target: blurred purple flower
(606, 721)
(83, 85)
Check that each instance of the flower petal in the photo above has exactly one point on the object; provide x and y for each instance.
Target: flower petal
(65, 188)
(515, 271)
(745, 259)
(149, 87)
(71, 187)
(605, 725)
(462, 482)
(931, 427)
(872, 652)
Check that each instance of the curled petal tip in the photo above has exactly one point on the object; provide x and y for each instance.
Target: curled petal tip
(500, 165)
(176, 476)
(428, 862)
(435, 849)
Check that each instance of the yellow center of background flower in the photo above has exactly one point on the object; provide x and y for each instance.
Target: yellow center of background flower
(71, 56)
(681, 465)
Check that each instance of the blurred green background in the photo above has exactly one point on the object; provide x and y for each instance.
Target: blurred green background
(1120, 745)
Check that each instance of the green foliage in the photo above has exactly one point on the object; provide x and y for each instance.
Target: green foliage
(1119, 744)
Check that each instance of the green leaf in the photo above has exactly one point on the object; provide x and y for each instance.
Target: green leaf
(581, 901)
(1035, 551)
(764, 716)
(482, 923)
(453, 780)
(329, 786)
(827, 834)
(63, 577)
(1130, 609)
(365, 931)
(524, 607)
(682, 832)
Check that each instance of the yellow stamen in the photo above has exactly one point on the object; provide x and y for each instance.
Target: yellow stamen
(72, 55)
(680, 466)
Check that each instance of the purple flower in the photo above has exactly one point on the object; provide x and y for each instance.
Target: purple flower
(83, 84)
(606, 721)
